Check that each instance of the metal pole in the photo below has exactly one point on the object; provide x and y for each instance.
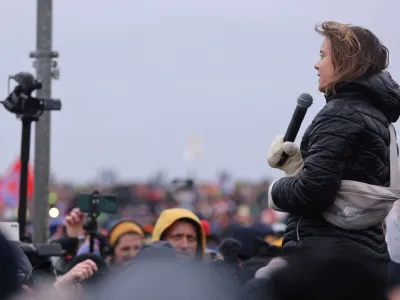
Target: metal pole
(43, 64)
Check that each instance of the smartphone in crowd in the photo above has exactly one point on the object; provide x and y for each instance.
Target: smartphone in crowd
(90, 203)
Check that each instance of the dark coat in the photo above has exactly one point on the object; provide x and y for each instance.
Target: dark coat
(348, 140)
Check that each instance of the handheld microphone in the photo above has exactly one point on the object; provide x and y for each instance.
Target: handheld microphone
(304, 101)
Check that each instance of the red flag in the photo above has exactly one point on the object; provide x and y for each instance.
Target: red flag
(9, 185)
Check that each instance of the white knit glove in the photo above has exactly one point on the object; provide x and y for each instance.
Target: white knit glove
(293, 165)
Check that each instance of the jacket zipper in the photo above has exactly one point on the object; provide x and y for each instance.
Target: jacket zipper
(297, 229)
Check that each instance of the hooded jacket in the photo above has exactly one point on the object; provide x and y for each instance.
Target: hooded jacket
(170, 216)
(349, 139)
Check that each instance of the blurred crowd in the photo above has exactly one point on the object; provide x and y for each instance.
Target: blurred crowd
(178, 239)
(221, 203)
(182, 255)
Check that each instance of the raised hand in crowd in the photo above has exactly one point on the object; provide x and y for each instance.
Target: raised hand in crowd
(74, 223)
(79, 273)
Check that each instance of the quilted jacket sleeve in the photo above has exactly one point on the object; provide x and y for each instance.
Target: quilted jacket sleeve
(331, 142)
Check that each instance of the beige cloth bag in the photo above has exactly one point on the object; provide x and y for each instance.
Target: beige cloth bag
(359, 205)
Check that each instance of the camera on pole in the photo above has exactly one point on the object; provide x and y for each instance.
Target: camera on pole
(28, 109)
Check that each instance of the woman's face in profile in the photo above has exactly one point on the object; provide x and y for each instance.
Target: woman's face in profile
(325, 65)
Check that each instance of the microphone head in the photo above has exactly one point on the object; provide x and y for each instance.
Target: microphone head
(305, 100)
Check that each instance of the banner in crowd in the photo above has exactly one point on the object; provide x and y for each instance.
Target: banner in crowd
(9, 186)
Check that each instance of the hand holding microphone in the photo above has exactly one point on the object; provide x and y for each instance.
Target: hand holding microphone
(294, 161)
(283, 153)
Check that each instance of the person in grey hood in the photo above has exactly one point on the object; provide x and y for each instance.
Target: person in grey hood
(348, 141)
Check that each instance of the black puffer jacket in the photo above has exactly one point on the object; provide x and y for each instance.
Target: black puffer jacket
(348, 140)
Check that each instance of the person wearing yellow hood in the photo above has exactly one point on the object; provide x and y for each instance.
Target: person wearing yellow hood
(182, 229)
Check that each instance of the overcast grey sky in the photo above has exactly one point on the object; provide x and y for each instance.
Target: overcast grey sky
(138, 78)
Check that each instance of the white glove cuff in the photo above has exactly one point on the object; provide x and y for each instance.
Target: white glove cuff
(296, 170)
(271, 203)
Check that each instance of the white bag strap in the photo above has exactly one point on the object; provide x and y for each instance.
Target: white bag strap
(394, 160)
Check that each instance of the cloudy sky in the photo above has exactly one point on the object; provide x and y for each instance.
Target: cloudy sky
(139, 78)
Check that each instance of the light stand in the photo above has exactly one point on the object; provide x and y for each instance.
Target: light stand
(28, 109)
(24, 173)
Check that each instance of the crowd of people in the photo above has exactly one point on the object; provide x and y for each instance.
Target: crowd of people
(161, 244)
(180, 258)
(219, 205)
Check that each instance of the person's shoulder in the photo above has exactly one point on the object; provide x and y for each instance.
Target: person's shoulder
(339, 108)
